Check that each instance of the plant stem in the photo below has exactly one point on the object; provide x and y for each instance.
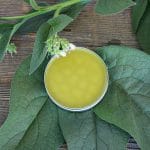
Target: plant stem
(57, 12)
(35, 5)
(44, 10)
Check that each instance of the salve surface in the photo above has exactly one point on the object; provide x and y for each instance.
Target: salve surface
(77, 80)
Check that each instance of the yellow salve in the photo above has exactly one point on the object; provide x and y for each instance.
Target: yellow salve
(77, 80)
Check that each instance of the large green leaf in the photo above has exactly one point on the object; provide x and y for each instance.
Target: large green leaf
(138, 12)
(127, 102)
(107, 7)
(85, 131)
(45, 132)
(48, 29)
(39, 50)
(143, 33)
(59, 23)
(33, 24)
(29, 101)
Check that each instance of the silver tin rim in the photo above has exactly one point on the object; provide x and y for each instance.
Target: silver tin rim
(89, 106)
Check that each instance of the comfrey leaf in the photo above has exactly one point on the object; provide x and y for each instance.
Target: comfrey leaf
(107, 7)
(143, 31)
(39, 50)
(141, 23)
(32, 122)
(87, 132)
(127, 101)
(138, 12)
(33, 24)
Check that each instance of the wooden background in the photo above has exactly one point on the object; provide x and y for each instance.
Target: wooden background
(88, 30)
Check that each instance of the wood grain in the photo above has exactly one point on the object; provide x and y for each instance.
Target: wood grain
(88, 30)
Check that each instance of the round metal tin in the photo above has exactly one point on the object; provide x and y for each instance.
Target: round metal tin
(89, 106)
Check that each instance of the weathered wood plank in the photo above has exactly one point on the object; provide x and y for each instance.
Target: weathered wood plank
(4, 100)
(88, 30)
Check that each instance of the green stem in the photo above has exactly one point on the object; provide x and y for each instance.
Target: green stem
(57, 12)
(44, 10)
(35, 5)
